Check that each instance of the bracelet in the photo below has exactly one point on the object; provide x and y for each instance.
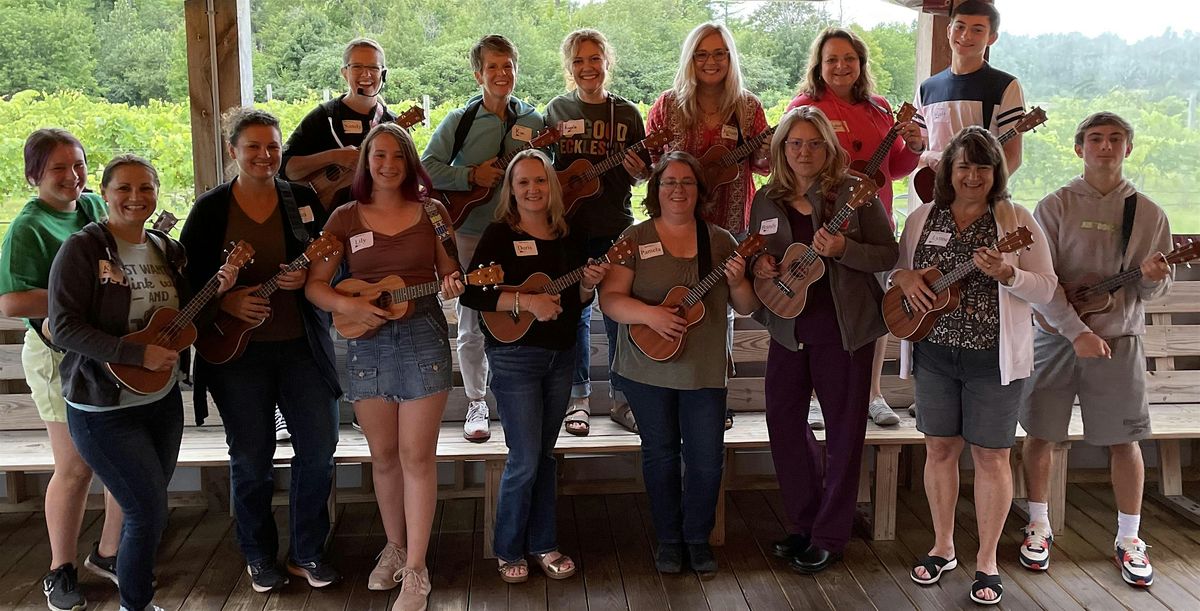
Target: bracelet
(516, 304)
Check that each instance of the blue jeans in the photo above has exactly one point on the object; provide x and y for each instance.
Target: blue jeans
(246, 392)
(581, 383)
(133, 450)
(680, 428)
(532, 387)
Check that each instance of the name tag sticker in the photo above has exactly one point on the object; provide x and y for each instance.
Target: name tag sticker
(352, 126)
(839, 126)
(769, 226)
(939, 113)
(937, 238)
(729, 132)
(306, 214)
(361, 241)
(522, 133)
(649, 251)
(570, 128)
(525, 248)
(1097, 225)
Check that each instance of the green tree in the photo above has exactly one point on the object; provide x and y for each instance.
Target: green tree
(48, 45)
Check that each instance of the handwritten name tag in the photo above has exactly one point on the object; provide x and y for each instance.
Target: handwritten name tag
(649, 251)
(937, 238)
(361, 241)
(525, 248)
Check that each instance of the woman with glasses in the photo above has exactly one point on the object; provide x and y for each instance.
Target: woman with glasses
(680, 402)
(829, 345)
(706, 107)
(838, 81)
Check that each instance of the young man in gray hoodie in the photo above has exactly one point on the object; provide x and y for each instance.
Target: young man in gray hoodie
(1097, 226)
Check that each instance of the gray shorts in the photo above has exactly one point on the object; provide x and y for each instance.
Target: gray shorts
(960, 395)
(1112, 392)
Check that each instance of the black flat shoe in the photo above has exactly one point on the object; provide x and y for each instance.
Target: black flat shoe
(792, 546)
(700, 557)
(669, 558)
(814, 560)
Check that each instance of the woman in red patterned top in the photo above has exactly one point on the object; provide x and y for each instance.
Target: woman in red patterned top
(708, 106)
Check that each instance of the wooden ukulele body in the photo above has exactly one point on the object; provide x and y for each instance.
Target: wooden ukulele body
(654, 345)
(328, 180)
(923, 182)
(459, 204)
(226, 339)
(786, 295)
(374, 293)
(139, 379)
(576, 188)
(1084, 305)
(716, 173)
(905, 322)
(508, 328)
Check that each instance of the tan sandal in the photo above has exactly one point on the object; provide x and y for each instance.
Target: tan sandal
(577, 421)
(506, 567)
(554, 568)
(622, 414)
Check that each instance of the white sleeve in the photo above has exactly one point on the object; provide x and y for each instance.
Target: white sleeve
(1011, 109)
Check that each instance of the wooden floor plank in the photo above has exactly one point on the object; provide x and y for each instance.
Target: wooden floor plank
(295, 594)
(356, 544)
(96, 589)
(569, 594)
(488, 591)
(749, 563)
(801, 591)
(836, 581)
(11, 523)
(1158, 524)
(643, 585)
(451, 582)
(531, 595)
(602, 577)
(683, 590)
(219, 577)
(869, 571)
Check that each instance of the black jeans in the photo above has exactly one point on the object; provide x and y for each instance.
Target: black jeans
(133, 450)
(246, 392)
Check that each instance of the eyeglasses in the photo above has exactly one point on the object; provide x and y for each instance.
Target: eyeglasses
(372, 68)
(720, 56)
(795, 144)
(670, 184)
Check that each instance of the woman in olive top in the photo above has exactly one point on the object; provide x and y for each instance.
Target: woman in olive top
(531, 377)
(288, 360)
(829, 345)
(56, 164)
(678, 402)
(400, 376)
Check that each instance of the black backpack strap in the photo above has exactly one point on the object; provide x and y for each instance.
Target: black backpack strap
(704, 263)
(1127, 224)
(287, 201)
(464, 128)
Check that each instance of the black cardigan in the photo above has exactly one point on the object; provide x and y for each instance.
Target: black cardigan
(88, 317)
(204, 237)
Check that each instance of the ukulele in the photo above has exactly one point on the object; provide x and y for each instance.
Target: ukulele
(720, 165)
(393, 295)
(226, 338)
(508, 327)
(902, 318)
(1093, 294)
(688, 305)
(459, 204)
(581, 179)
(871, 167)
(327, 181)
(786, 294)
(171, 328)
(924, 179)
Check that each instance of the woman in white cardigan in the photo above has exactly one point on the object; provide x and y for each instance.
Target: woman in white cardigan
(970, 366)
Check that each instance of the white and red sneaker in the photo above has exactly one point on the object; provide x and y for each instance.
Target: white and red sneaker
(1035, 550)
(1134, 562)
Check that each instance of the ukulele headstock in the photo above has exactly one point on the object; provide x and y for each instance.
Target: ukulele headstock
(621, 251)
(165, 221)
(658, 139)
(1015, 240)
(487, 277)
(411, 117)
(905, 113)
(863, 192)
(325, 246)
(752, 245)
(1185, 253)
(1031, 120)
(240, 254)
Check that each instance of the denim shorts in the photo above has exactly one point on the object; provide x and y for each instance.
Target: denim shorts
(407, 359)
(959, 394)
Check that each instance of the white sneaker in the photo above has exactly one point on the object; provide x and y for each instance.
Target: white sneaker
(1035, 550)
(1135, 564)
(281, 430)
(881, 413)
(912, 409)
(476, 427)
(816, 419)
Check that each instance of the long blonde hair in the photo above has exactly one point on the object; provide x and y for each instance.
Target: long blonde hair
(506, 210)
(782, 183)
(685, 75)
(571, 44)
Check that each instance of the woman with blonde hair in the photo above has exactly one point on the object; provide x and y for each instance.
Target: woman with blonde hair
(829, 345)
(531, 377)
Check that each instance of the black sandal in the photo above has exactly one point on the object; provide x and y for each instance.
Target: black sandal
(986, 582)
(934, 566)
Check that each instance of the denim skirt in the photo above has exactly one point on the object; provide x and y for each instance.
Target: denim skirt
(407, 359)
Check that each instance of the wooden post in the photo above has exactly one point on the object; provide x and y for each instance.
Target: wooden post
(219, 78)
(718, 532)
(17, 486)
(493, 469)
(887, 474)
(1058, 486)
